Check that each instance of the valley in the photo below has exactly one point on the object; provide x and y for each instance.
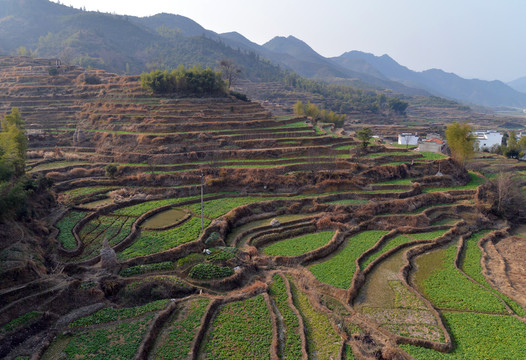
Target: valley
(213, 228)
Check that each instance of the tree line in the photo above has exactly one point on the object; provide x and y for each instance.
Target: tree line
(195, 81)
(323, 115)
(15, 185)
(512, 146)
(346, 99)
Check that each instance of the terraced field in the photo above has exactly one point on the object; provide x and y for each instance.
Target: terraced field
(301, 246)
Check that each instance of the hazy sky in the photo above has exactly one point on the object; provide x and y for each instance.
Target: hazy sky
(473, 38)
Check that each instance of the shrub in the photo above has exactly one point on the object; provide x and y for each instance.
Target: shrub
(141, 269)
(91, 80)
(111, 170)
(238, 95)
(190, 259)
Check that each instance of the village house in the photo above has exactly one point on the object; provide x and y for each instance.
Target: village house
(407, 139)
(486, 139)
(432, 145)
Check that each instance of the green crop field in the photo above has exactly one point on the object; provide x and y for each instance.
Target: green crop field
(299, 245)
(151, 242)
(471, 266)
(120, 340)
(339, 269)
(291, 325)
(241, 330)
(447, 288)
(66, 225)
(322, 340)
(182, 330)
(476, 180)
(479, 336)
(174, 293)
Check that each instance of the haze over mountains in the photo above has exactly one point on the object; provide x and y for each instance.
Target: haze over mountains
(127, 43)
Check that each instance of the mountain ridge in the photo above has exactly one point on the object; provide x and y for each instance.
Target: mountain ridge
(120, 42)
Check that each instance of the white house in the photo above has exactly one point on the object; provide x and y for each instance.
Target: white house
(487, 139)
(407, 139)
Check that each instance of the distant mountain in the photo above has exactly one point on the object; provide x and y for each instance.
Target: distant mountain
(126, 43)
(519, 84)
(117, 43)
(301, 58)
(186, 26)
(435, 81)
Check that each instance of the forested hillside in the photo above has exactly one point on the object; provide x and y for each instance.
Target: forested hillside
(131, 45)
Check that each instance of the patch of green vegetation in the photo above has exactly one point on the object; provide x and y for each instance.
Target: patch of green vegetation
(348, 353)
(396, 182)
(221, 254)
(396, 163)
(241, 330)
(215, 208)
(206, 271)
(475, 181)
(478, 336)
(182, 331)
(349, 202)
(397, 153)
(93, 234)
(394, 242)
(428, 235)
(171, 280)
(151, 242)
(107, 315)
(299, 245)
(13, 324)
(470, 264)
(447, 288)
(339, 269)
(293, 125)
(323, 342)
(139, 209)
(291, 325)
(190, 259)
(346, 147)
(57, 165)
(143, 269)
(66, 225)
(403, 146)
(433, 155)
(119, 341)
(83, 191)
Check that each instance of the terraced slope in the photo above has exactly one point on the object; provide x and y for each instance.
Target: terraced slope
(300, 241)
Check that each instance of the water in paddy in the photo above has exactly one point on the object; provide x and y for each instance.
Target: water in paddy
(165, 218)
(376, 291)
(251, 225)
(426, 264)
(97, 204)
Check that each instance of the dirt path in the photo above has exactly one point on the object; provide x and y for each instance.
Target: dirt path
(512, 281)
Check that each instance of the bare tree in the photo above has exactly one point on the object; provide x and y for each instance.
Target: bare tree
(230, 71)
(66, 55)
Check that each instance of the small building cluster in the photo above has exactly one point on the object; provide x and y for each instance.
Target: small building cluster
(433, 142)
(407, 139)
(486, 139)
